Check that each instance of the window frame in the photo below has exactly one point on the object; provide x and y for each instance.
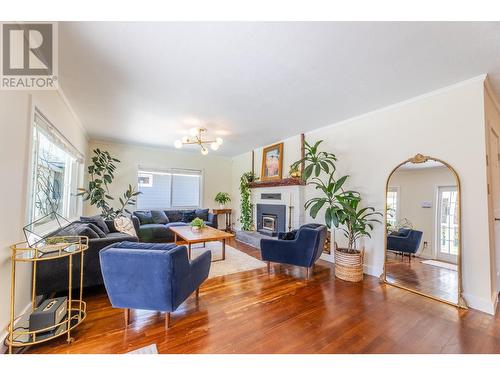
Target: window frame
(397, 190)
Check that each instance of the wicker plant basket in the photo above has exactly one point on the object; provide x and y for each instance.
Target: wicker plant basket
(349, 267)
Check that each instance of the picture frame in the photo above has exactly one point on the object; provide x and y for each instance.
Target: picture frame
(272, 162)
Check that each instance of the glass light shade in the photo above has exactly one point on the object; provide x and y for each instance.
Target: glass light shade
(178, 144)
(185, 139)
(214, 146)
(204, 151)
(193, 132)
(219, 140)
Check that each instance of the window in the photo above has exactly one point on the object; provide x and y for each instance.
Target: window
(57, 172)
(392, 206)
(173, 188)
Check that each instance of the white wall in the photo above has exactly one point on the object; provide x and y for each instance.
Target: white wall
(447, 124)
(15, 119)
(216, 169)
(414, 187)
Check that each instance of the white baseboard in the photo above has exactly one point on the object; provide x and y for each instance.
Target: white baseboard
(482, 304)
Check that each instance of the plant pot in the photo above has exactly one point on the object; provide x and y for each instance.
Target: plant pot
(348, 266)
(196, 229)
(221, 206)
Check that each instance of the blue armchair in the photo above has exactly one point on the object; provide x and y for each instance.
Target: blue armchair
(404, 241)
(148, 276)
(303, 248)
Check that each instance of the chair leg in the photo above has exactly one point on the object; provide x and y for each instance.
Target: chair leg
(308, 272)
(167, 320)
(197, 294)
(127, 317)
(268, 267)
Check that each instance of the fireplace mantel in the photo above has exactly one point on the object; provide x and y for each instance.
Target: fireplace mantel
(275, 183)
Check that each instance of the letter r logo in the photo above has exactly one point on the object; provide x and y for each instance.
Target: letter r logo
(27, 49)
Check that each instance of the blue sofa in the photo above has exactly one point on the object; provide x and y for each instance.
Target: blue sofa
(404, 241)
(153, 226)
(147, 276)
(299, 248)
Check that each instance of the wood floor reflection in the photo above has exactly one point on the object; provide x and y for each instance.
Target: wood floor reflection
(253, 312)
(428, 279)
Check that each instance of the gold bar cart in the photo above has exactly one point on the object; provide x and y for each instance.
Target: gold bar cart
(50, 249)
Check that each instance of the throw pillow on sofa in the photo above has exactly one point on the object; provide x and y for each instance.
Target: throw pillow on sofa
(98, 230)
(86, 231)
(159, 217)
(188, 216)
(124, 225)
(97, 220)
(202, 214)
(144, 217)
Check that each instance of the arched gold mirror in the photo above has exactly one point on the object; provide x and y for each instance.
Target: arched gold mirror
(423, 251)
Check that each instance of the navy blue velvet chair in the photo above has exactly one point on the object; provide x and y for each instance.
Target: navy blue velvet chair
(299, 248)
(148, 276)
(404, 241)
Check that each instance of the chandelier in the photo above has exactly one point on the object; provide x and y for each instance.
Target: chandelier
(196, 138)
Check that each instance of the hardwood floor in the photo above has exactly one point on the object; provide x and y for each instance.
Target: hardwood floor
(436, 281)
(253, 312)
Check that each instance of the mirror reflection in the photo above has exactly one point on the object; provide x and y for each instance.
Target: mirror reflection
(423, 231)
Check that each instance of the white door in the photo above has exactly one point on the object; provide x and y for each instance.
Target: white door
(447, 224)
(495, 196)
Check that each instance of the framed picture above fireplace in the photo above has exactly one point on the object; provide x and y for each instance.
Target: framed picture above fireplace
(272, 162)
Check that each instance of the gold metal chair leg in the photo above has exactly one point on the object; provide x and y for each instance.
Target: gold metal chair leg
(167, 320)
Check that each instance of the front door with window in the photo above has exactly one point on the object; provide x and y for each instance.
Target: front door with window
(447, 224)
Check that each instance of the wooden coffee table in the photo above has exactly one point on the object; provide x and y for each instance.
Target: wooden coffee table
(207, 234)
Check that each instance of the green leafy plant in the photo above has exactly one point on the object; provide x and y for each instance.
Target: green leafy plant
(198, 223)
(357, 222)
(246, 207)
(316, 164)
(222, 198)
(101, 172)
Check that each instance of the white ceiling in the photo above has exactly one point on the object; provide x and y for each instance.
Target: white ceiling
(256, 83)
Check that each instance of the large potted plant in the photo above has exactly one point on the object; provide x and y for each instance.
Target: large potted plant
(341, 208)
(356, 223)
(101, 175)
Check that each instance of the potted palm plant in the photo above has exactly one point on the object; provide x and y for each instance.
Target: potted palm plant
(357, 223)
(222, 199)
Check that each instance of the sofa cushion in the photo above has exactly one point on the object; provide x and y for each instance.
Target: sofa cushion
(174, 215)
(144, 217)
(202, 214)
(142, 245)
(96, 229)
(117, 236)
(97, 220)
(159, 217)
(188, 216)
(154, 231)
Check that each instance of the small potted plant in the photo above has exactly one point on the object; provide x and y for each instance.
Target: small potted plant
(357, 223)
(222, 199)
(197, 225)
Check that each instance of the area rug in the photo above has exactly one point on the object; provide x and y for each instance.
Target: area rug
(437, 263)
(236, 261)
(150, 349)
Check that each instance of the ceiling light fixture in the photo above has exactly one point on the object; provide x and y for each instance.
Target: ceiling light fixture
(197, 139)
